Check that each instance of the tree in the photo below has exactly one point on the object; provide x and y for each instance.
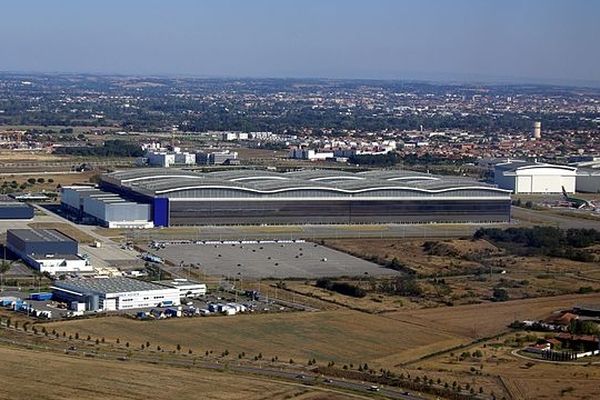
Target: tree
(4, 268)
(500, 294)
(584, 327)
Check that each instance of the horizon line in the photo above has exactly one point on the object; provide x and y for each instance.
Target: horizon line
(481, 80)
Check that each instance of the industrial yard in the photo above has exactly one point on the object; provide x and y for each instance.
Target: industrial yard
(267, 259)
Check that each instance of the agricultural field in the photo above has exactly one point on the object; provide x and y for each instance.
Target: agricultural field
(340, 336)
(417, 341)
(45, 375)
(386, 340)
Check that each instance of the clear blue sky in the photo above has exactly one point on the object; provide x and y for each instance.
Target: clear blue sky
(532, 40)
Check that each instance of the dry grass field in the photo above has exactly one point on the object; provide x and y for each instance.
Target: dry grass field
(516, 378)
(464, 266)
(484, 320)
(384, 340)
(412, 254)
(372, 302)
(41, 375)
(340, 336)
(34, 156)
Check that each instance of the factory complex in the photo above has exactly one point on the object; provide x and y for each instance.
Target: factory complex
(47, 250)
(245, 196)
(113, 294)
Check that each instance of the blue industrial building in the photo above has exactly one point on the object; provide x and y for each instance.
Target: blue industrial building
(11, 209)
(243, 196)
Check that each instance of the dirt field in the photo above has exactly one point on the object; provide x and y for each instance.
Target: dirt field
(43, 375)
(483, 320)
(341, 336)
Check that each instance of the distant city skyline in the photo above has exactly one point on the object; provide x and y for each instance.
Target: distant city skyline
(510, 41)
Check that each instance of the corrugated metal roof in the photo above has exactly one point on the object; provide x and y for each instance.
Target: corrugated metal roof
(169, 180)
(106, 285)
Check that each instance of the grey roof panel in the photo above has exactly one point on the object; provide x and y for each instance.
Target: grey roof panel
(106, 285)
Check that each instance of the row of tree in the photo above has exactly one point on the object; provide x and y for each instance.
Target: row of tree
(111, 148)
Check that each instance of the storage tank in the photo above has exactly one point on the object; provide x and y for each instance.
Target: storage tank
(92, 302)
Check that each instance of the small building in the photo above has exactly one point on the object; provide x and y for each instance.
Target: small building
(161, 159)
(217, 158)
(560, 320)
(522, 177)
(47, 250)
(12, 209)
(117, 293)
(187, 288)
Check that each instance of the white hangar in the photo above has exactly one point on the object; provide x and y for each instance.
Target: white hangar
(532, 177)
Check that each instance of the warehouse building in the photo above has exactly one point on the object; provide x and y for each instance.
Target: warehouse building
(11, 209)
(90, 204)
(112, 294)
(237, 197)
(187, 289)
(47, 250)
(524, 177)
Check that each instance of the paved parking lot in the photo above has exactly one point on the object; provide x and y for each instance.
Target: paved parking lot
(277, 260)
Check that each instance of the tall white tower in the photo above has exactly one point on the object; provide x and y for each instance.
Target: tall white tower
(537, 130)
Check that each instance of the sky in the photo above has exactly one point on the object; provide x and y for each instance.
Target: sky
(465, 40)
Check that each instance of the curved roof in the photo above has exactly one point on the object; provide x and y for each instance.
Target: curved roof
(234, 183)
(515, 165)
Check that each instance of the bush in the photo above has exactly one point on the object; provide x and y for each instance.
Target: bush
(341, 287)
(500, 294)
